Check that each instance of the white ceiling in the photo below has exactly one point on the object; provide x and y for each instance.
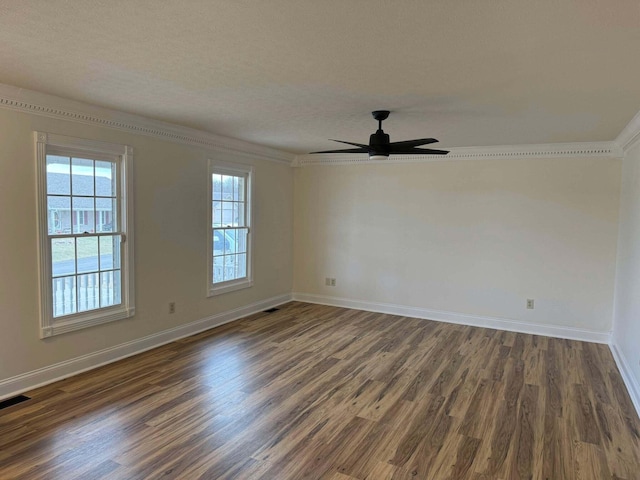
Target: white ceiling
(290, 74)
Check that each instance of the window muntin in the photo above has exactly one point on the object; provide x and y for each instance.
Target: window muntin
(85, 215)
(230, 233)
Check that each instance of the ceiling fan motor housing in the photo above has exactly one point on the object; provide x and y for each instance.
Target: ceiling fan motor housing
(379, 143)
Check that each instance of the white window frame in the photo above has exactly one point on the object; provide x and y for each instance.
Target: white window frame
(50, 325)
(236, 169)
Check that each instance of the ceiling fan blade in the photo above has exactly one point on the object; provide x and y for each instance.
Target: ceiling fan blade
(350, 143)
(411, 143)
(419, 151)
(346, 150)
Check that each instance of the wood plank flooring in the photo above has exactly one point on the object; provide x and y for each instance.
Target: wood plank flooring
(317, 392)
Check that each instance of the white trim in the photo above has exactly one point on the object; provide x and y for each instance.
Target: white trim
(630, 134)
(44, 266)
(90, 145)
(89, 319)
(29, 101)
(123, 155)
(126, 171)
(230, 286)
(239, 170)
(37, 103)
(551, 150)
(460, 318)
(43, 376)
(627, 377)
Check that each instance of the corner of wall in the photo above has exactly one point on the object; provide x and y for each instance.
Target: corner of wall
(633, 387)
(625, 321)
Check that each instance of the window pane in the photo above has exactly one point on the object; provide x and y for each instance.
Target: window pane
(229, 266)
(105, 208)
(234, 188)
(112, 218)
(117, 287)
(109, 245)
(81, 176)
(58, 175)
(58, 215)
(241, 240)
(227, 187)
(110, 288)
(87, 291)
(221, 215)
(218, 265)
(83, 214)
(64, 296)
(217, 186)
(226, 213)
(229, 242)
(241, 265)
(215, 213)
(63, 256)
(220, 242)
(241, 189)
(87, 250)
(238, 214)
(106, 179)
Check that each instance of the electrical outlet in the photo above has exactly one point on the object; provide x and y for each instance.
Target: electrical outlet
(530, 303)
(172, 307)
(327, 282)
(333, 282)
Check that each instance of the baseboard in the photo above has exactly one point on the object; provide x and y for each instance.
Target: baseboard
(460, 318)
(43, 376)
(627, 377)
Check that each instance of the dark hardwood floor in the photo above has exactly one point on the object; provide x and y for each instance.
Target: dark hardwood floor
(316, 392)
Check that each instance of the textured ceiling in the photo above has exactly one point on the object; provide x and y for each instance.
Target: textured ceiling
(290, 74)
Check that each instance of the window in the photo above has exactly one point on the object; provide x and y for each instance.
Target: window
(86, 244)
(229, 244)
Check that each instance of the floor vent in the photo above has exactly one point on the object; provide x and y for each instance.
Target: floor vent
(271, 310)
(13, 401)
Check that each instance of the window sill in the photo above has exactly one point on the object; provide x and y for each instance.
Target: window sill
(231, 286)
(81, 321)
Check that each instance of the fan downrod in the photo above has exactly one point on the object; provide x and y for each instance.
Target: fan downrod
(380, 115)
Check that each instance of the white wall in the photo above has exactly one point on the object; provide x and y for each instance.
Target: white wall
(466, 237)
(626, 323)
(170, 233)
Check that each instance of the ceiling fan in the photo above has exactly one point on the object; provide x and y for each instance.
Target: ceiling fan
(380, 147)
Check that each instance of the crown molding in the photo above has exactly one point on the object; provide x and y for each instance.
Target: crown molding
(630, 135)
(42, 104)
(37, 103)
(551, 150)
